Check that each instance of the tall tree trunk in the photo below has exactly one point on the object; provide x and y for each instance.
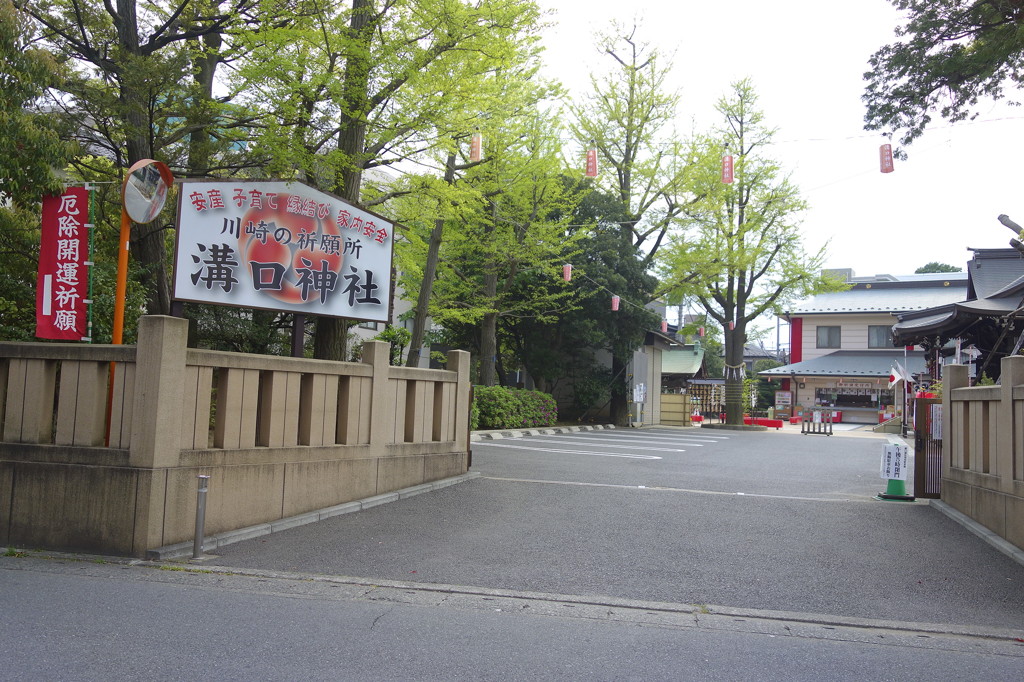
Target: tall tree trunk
(200, 114)
(734, 373)
(331, 335)
(147, 241)
(419, 322)
(489, 333)
(618, 406)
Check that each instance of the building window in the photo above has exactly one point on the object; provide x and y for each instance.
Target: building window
(828, 337)
(368, 325)
(879, 336)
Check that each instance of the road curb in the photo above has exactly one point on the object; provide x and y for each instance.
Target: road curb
(708, 616)
(993, 540)
(478, 436)
(212, 542)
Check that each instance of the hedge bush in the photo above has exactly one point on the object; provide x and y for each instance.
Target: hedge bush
(497, 407)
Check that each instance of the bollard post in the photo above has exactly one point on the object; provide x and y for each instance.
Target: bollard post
(197, 543)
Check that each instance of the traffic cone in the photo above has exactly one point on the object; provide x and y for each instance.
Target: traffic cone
(895, 490)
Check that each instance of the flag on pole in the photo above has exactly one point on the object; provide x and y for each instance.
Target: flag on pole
(897, 374)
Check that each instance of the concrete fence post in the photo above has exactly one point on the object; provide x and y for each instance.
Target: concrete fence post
(382, 415)
(953, 377)
(1011, 374)
(458, 362)
(156, 422)
(159, 391)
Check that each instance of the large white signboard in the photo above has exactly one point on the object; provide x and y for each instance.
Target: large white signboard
(281, 246)
(894, 462)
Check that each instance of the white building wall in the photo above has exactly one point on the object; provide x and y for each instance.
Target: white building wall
(853, 331)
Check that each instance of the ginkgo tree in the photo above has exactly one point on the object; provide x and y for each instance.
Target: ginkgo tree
(627, 117)
(505, 237)
(740, 254)
(362, 85)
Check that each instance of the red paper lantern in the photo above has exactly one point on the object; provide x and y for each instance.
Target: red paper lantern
(885, 158)
(664, 326)
(615, 302)
(727, 174)
(700, 332)
(591, 163)
(732, 325)
(566, 272)
(475, 147)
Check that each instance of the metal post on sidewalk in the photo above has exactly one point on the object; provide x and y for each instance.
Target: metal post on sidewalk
(197, 543)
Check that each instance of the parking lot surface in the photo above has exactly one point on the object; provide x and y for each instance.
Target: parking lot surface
(757, 520)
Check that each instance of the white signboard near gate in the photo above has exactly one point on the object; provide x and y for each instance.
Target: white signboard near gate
(894, 462)
(281, 246)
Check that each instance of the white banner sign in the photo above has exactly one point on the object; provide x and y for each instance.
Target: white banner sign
(281, 246)
(894, 462)
(936, 420)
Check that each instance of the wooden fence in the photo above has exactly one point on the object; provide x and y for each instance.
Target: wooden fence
(278, 437)
(983, 448)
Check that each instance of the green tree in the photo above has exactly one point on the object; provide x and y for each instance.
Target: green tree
(627, 117)
(765, 388)
(565, 349)
(952, 53)
(28, 168)
(741, 255)
(134, 88)
(935, 266)
(501, 262)
(351, 88)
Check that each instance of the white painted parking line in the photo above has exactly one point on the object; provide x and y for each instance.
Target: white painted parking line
(570, 452)
(534, 439)
(658, 488)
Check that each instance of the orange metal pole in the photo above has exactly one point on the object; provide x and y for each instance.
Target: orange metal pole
(122, 278)
(117, 334)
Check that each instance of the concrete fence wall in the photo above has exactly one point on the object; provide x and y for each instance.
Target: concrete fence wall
(277, 436)
(983, 448)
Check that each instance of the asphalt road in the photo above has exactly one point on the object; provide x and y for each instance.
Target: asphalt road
(747, 520)
(623, 555)
(79, 620)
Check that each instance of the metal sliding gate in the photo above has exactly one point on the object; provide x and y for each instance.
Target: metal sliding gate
(927, 447)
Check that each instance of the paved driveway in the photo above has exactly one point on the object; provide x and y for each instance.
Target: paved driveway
(759, 520)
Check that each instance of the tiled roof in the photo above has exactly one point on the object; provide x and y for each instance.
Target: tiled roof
(880, 298)
(851, 363)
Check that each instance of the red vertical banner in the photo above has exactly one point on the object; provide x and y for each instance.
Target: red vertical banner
(476, 144)
(592, 163)
(727, 169)
(62, 286)
(885, 158)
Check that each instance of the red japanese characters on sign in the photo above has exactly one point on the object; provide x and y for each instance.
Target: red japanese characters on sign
(63, 283)
(281, 246)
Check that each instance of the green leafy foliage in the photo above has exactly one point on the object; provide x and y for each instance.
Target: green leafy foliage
(741, 254)
(399, 338)
(951, 54)
(935, 266)
(498, 407)
(765, 388)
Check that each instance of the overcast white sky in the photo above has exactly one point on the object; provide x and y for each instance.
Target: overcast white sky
(806, 59)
